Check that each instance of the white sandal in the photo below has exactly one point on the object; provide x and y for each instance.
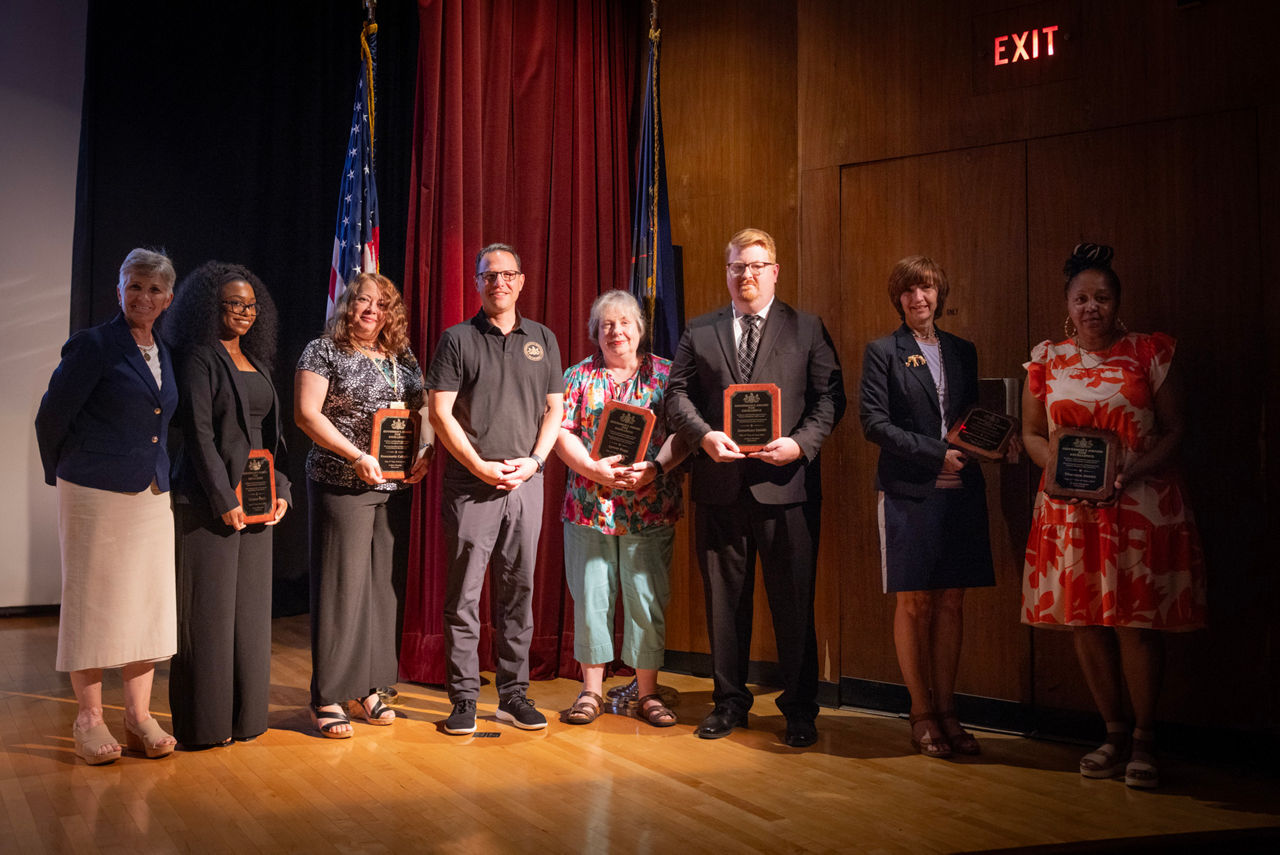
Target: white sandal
(1141, 772)
(1105, 761)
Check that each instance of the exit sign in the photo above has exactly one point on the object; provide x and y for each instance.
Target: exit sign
(1030, 44)
(1024, 46)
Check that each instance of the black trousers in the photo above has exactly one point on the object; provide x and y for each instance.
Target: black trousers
(728, 539)
(357, 537)
(220, 678)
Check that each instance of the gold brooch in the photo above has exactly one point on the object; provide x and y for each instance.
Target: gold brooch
(915, 360)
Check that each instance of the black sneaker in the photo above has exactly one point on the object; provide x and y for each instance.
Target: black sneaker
(463, 718)
(519, 710)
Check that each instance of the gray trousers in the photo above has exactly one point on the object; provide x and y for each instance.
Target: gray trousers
(486, 527)
(356, 538)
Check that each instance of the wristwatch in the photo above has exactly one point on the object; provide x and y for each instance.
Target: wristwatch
(538, 460)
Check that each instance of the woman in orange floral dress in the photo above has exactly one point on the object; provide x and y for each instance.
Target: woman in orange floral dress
(1122, 571)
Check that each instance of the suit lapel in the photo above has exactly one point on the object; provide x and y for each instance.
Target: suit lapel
(955, 373)
(237, 385)
(917, 367)
(724, 334)
(781, 319)
(133, 356)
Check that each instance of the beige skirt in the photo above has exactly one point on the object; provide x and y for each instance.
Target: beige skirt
(119, 605)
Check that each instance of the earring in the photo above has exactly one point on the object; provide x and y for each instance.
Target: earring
(1124, 330)
(1068, 328)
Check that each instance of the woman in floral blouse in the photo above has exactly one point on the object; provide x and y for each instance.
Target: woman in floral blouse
(618, 517)
(358, 519)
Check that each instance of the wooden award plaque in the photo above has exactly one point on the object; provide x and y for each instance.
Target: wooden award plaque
(983, 433)
(624, 429)
(256, 491)
(395, 441)
(1082, 464)
(752, 415)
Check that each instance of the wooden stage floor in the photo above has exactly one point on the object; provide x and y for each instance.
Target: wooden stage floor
(617, 785)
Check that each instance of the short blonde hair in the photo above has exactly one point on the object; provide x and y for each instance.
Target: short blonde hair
(752, 237)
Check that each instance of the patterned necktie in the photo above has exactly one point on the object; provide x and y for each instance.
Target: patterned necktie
(748, 345)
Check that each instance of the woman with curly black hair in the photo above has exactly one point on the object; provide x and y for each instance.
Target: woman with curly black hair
(223, 324)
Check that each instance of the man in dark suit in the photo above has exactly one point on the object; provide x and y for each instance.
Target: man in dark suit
(768, 501)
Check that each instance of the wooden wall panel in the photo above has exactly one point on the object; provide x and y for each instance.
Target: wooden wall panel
(966, 211)
(819, 292)
(1263, 579)
(884, 79)
(729, 114)
(1165, 135)
(1179, 200)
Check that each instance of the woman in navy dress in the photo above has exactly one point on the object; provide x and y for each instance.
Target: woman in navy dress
(916, 383)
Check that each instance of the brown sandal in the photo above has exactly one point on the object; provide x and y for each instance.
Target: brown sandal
(928, 746)
(659, 714)
(584, 711)
(962, 741)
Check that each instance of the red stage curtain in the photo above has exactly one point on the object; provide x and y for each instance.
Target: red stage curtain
(521, 136)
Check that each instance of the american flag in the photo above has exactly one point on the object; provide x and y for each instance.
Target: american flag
(355, 240)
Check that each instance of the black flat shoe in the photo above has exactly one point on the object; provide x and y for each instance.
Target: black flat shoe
(720, 722)
(801, 733)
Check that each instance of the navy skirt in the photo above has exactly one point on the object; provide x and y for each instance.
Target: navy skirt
(939, 541)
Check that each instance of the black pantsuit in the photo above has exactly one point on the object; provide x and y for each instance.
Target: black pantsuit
(221, 674)
(355, 535)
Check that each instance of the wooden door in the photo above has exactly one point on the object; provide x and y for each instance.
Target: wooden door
(967, 211)
(1179, 202)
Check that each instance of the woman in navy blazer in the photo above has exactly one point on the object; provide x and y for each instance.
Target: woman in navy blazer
(224, 328)
(102, 428)
(916, 383)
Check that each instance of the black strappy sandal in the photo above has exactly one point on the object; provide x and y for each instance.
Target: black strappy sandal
(333, 721)
(376, 715)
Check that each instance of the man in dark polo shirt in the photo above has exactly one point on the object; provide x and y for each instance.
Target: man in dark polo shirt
(496, 401)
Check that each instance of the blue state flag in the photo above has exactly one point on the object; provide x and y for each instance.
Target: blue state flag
(653, 261)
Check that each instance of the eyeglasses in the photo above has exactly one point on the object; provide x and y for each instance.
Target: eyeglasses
(236, 307)
(491, 276)
(738, 268)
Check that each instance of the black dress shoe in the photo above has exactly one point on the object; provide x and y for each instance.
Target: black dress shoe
(720, 722)
(801, 732)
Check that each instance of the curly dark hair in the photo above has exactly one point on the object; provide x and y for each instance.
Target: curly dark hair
(193, 319)
(1091, 256)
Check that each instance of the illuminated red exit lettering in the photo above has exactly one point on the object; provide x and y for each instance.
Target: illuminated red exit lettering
(1014, 46)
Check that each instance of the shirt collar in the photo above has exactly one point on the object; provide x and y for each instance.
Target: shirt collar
(482, 323)
(763, 314)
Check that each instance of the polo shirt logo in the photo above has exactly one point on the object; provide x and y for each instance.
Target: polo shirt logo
(533, 352)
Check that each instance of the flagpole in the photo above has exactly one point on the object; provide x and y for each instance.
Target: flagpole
(370, 28)
(651, 284)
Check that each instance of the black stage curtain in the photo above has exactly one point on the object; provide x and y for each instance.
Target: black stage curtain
(219, 130)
